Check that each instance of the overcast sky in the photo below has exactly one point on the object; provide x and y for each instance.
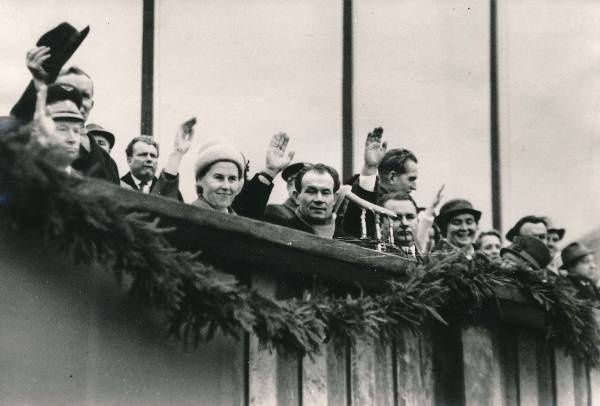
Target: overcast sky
(250, 69)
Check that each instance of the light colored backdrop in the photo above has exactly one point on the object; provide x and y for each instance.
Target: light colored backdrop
(249, 69)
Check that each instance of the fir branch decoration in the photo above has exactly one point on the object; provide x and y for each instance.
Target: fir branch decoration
(91, 228)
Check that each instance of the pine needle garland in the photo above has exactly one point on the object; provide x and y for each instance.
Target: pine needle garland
(91, 228)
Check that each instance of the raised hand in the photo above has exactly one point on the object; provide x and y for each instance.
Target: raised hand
(277, 159)
(436, 201)
(45, 128)
(183, 142)
(35, 58)
(374, 151)
(185, 136)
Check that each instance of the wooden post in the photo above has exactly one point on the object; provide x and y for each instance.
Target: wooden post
(564, 378)
(324, 377)
(414, 372)
(528, 378)
(347, 80)
(494, 123)
(483, 380)
(372, 374)
(273, 378)
(147, 67)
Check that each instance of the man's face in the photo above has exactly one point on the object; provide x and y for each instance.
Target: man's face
(85, 87)
(490, 246)
(316, 199)
(406, 182)
(143, 161)
(585, 268)
(66, 141)
(461, 230)
(102, 143)
(536, 230)
(552, 244)
(405, 226)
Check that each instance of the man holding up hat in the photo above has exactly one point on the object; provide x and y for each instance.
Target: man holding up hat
(458, 222)
(58, 121)
(44, 62)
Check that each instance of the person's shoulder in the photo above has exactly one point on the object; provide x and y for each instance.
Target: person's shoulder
(278, 211)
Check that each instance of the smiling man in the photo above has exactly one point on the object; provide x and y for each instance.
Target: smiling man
(458, 222)
(316, 192)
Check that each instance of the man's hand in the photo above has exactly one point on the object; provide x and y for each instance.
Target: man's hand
(184, 136)
(45, 128)
(277, 160)
(436, 201)
(183, 142)
(35, 58)
(374, 152)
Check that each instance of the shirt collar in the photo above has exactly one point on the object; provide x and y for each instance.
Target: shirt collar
(137, 181)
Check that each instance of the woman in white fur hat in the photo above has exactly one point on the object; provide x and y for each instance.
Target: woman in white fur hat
(220, 173)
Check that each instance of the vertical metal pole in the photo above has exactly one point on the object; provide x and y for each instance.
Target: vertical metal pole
(347, 76)
(494, 122)
(147, 67)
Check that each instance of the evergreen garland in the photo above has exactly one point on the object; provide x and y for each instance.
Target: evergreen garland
(38, 199)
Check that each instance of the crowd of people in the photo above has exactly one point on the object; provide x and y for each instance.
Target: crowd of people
(375, 204)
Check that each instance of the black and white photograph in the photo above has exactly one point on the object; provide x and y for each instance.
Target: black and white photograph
(298, 203)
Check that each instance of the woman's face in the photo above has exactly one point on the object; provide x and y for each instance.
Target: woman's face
(461, 230)
(490, 246)
(220, 185)
(585, 268)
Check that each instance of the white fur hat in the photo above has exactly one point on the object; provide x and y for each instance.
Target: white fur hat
(219, 150)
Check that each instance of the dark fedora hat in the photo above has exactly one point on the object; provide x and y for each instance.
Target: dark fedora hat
(516, 229)
(292, 170)
(63, 40)
(95, 129)
(572, 253)
(530, 249)
(453, 208)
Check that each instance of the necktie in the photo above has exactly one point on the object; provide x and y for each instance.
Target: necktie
(144, 187)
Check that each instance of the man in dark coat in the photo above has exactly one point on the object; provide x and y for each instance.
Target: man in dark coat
(316, 192)
(582, 277)
(55, 47)
(142, 158)
(383, 172)
(404, 226)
